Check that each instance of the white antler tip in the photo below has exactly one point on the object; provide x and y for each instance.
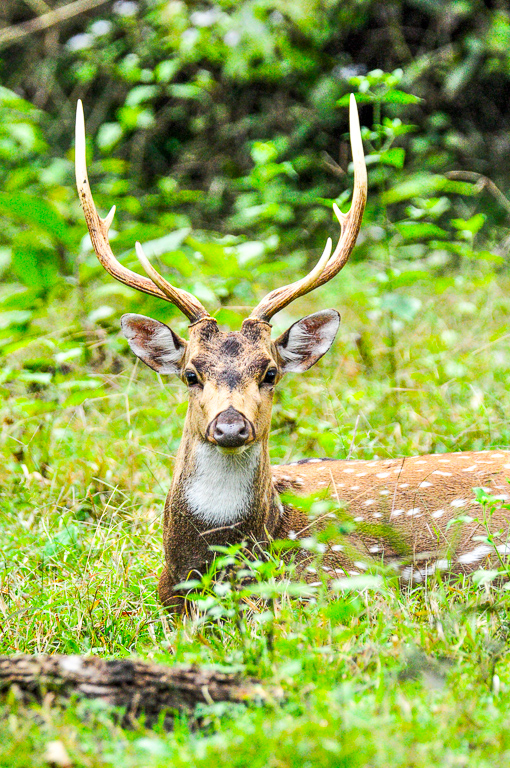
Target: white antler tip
(142, 258)
(107, 221)
(342, 217)
(80, 147)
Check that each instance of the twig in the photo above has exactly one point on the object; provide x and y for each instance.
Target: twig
(351, 448)
(12, 34)
(482, 182)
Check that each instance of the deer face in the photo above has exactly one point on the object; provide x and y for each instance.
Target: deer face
(231, 376)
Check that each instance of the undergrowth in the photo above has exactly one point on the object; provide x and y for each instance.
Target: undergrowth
(369, 675)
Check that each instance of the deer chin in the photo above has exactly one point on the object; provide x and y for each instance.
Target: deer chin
(232, 451)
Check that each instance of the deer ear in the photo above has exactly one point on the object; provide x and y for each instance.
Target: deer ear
(307, 341)
(154, 343)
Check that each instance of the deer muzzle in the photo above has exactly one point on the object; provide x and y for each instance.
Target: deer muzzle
(230, 429)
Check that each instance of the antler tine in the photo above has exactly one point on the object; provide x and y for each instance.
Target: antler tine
(98, 230)
(349, 227)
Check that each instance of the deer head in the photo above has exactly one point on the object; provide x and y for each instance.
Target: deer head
(230, 376)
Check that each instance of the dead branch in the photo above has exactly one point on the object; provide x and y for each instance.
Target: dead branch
(135, 686)
(482, 182)
(56, 16)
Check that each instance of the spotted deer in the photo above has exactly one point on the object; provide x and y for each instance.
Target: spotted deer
(224, 489)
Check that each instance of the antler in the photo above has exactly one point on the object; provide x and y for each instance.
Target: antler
(98, 229)
(328, 265)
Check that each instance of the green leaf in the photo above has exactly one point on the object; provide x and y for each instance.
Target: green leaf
(15, 317)
(108, 135)
(141, 93)
(36, 268)
(418, 185)
(472, 225)
(394, 156)
(399, 97)
(419, 230)
(101, 313)
(166, 70)
(361, 98)
(36, 211)
(484, 576)
(263, 152)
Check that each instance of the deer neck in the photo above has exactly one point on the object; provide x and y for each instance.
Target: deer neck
(224, 490)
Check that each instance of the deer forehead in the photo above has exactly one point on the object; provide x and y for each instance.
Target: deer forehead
(230, 358)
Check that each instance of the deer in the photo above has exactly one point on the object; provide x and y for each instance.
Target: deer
(416, 515)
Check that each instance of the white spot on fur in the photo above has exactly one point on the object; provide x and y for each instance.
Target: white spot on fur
(397, 512)
(443, 474)
(220, 490)
(368, 502)
(383, 474)
(358, 519)
(425, 484)
(376, 514)
(470, 469)
(406, 573)
(413, 512)
(475, 555)
(337, 548)
(458, 503)
(384, 493)
(438, 513)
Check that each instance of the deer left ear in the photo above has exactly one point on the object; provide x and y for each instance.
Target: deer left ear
(307, 341)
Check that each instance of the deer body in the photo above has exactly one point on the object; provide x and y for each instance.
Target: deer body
(417, 514)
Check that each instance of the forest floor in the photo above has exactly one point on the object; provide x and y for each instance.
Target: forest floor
(385, 676)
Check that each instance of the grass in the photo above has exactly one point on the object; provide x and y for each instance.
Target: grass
(386, 676)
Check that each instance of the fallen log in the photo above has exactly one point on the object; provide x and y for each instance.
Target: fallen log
(136, 686)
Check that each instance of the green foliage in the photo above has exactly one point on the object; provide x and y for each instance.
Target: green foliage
(220, 132)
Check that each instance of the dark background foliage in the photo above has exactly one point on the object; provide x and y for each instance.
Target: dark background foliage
(176, 94)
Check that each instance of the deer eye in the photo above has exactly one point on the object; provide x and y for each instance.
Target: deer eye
(191, 378)
(270, 376)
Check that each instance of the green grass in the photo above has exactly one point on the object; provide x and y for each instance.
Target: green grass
(385, 677)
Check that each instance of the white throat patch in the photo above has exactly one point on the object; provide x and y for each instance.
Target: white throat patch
(220, 490)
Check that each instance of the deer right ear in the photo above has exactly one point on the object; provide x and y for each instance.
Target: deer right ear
(154, 343)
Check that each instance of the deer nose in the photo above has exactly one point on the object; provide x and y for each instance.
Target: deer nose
(230, 429)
